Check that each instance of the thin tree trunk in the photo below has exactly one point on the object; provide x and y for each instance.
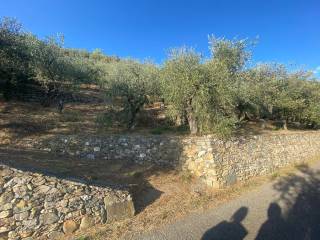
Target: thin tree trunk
(270, 110)
(192, 121)
(7, 90)
(132, 118)
(134, 110)
(180, 120)
(285, 124)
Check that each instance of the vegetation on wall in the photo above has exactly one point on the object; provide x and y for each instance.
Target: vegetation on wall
(209, 95)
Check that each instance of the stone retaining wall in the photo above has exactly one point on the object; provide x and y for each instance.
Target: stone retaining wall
(225, 163)
(218, 163)
(35, 206)
(162, 150)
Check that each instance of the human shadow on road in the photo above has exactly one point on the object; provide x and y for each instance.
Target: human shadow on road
(300, 193)
(275, 228)
(229, 230)
(299, 219)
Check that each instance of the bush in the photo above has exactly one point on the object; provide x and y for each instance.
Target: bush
(106, 120)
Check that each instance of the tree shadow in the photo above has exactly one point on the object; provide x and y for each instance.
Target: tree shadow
(300, 193)
(229, 230)
(27, 128)
(111, 171)
(118, 175)
(300, 220)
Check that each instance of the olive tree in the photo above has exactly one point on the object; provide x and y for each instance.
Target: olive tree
(182, 75)
(260, 89)
(133, 82)
(15, 56)
(234, 54)
(58, 69)
(311, 114)
(195, 90)
(277, 94)
(296, 98)
(205, 92)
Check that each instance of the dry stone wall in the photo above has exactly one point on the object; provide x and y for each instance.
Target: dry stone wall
(218, 163)
(162, 150)
(225, 163)
(35, 206)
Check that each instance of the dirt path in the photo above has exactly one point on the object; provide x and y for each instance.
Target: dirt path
(288, 208)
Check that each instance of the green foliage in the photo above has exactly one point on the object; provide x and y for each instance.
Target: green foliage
(14, 56)
(207, 95)
(110, 119)
(233, 54)
(132, 82)
(83, 238)
(182, 75)
(203, 92)
(57, 69)
(271, 92)
(170, 129)
(27, 59)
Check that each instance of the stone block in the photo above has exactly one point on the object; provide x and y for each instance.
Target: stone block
(69, 226)
(86, 222)
(118, 210)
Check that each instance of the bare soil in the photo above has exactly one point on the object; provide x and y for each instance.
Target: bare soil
(161, 195)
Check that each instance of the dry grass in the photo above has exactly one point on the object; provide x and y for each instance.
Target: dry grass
(165, 195)
(19, 121)
(178, 200)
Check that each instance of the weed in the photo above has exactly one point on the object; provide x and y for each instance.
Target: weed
(186, 176)
(274, 175)
(160, 130)
(83, 238)
(301, 164)
(168, 128)
(70, 116)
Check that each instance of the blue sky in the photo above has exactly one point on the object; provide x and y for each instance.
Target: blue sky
(288, 30)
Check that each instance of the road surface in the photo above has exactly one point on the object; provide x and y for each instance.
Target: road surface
(287, 208)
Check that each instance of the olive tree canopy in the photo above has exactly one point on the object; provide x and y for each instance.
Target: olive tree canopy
(133, 82)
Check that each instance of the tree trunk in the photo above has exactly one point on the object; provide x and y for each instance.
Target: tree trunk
(180, 120)
(285, 124)
(132, 118)
(192, 121)
(7, 93)
(133, 111)
(60, 105)
(270, 110)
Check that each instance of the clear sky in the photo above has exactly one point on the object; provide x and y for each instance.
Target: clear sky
(288, 30)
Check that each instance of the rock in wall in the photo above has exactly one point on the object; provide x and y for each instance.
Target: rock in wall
(218, 163)
(227, 162)
(35, 206)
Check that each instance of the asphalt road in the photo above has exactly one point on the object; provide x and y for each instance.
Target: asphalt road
(288, 208)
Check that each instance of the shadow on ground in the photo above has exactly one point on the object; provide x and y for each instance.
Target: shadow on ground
(232, 229)
(118, 174)
(300, 194)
